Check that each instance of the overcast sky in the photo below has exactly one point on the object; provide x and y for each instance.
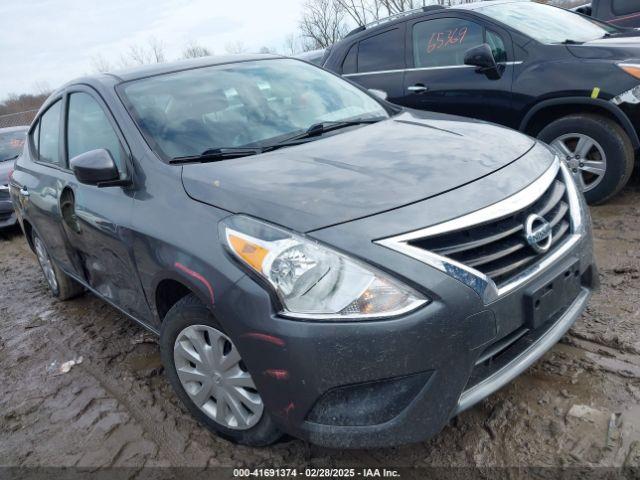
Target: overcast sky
(47, 42)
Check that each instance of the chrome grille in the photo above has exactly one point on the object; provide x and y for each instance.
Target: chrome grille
(4, 193)
(498, 248)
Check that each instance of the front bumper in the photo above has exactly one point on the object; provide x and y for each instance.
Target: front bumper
(381, 383)
(378, 364)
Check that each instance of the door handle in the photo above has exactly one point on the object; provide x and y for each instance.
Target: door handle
(24, 192)
(418, 88)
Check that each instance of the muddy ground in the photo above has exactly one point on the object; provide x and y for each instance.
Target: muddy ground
(580, 405)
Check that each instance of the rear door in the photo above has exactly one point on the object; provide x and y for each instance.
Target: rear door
(97, 220)
(437, 78)
(42, 176)
(378, 61)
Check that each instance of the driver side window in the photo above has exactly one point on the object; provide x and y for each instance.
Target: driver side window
(443, 42)
(88, 128)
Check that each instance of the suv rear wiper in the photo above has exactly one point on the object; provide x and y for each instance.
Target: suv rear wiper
(216, 154)
(9, 158)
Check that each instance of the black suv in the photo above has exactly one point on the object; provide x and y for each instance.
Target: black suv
(569, 80)
(624, 13)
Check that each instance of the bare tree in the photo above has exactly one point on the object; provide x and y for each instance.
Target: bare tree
(266, 49)
(193, 50)
(323, 22)
(138, 55)
(235, 47)
(156, 50)
(294, 44)
(100, 64)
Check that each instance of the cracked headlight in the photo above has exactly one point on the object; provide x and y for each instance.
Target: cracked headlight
(313, 281)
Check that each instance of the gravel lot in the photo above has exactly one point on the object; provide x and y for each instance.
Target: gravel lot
(579, 406)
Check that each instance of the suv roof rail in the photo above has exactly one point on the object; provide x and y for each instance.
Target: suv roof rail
(396, 16)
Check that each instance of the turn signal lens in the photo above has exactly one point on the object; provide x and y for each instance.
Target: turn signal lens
(250, 252)
(632, 69)
(313, 281)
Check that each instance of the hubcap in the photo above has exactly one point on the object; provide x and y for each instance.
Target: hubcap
(45, 263)
(584, 156)
(214, 376)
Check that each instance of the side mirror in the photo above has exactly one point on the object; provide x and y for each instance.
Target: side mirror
(381, 94)
(96, 167)
(482, 57)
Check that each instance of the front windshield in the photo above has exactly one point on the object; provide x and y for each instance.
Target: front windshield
(244, 104)
(547, 24)
(11, 144)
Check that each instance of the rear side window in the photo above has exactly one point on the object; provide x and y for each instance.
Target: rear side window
(497, 46)
(443, 42)
(49, 144)
(625, 7)
(381, 52)
(350, 64)
(88, 128)
(35, 138)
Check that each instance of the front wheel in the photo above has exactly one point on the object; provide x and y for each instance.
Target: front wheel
(209, 375)
(596, 149)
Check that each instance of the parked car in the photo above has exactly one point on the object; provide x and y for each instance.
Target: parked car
(623, 13)
(316, 261)
(314, 56)
(551, 73)
(11, 145)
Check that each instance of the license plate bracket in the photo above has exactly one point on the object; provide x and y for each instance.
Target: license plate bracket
(547, 301)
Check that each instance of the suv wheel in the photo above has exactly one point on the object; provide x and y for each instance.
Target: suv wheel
(596, 149)
(208, 374)
(60, 284)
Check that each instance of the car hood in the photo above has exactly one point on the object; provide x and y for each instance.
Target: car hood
(358, 172)
(620, 47)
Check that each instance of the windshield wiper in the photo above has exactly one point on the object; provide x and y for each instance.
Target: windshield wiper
(318, 129)
(568, 41)
(216, 154)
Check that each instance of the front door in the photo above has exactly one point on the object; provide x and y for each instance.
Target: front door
(97, 220)
(438, 80)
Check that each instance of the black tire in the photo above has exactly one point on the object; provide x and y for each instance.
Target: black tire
(65, 287)
(614, 141)
(190, 311)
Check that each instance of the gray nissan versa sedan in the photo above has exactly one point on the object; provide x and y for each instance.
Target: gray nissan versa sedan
(316, 261)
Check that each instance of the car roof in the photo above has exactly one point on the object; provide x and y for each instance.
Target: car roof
(429, 10)
(20, 128)
(162, 68)
(477, 5)
(126, 75)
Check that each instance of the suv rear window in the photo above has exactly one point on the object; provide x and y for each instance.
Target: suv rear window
(381, 52)
(11, 144)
